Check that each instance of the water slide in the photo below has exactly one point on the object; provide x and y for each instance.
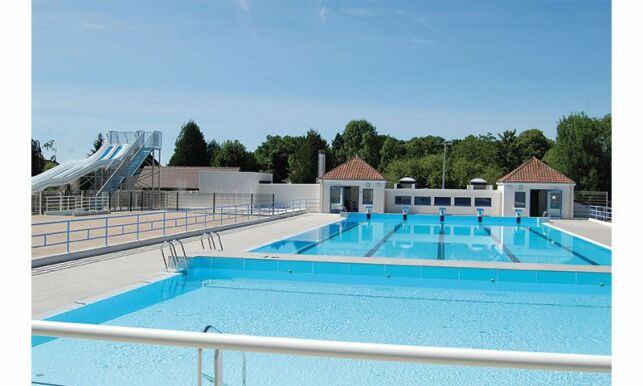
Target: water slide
(119, 150)
(68, 172)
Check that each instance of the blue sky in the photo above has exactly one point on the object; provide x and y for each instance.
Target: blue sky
(245, 69)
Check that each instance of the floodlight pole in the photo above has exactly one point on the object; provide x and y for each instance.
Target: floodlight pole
(444, 163)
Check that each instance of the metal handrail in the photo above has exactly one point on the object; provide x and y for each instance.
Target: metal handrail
(218, 237)
(141, 225)
(322, 348)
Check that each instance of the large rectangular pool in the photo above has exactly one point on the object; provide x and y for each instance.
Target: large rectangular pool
(494, 239)
(351, 302)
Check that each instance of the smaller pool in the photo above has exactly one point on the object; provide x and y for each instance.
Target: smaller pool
(494, 239)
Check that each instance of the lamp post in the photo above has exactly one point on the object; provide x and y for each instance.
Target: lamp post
(444, 163)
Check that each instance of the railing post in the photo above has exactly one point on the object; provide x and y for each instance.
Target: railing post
(273, 204)
(177, 201)
(186, 220)
(218, 368)
(214, 203)
(199, 367)
(67, 236)
(138, 222)
(163, 223)
(130, 200)
(221, 215)
(106, 229)
(252, 201)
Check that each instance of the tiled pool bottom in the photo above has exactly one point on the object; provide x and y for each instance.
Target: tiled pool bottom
(454, 313)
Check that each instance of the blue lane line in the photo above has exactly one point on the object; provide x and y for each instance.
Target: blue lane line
(504, 248)
(585, 259)
(341, 230)
(381, 242)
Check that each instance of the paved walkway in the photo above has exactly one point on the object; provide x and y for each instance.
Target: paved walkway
(592, 230)
(67, 285)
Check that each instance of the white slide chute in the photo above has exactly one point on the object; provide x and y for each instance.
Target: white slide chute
(119, 149)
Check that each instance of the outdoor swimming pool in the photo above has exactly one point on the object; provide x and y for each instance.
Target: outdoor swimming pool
(569, 313)
(495, 239)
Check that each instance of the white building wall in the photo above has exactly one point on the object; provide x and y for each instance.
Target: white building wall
(509, 189)
(288, 192)
(378, 193)
(493, 210)
(231, 182)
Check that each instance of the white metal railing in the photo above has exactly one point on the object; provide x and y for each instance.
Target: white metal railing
(109, 230)
(323, 348)
(603, 213)
(75, 203)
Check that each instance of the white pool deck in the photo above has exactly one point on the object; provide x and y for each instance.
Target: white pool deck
(64, 286)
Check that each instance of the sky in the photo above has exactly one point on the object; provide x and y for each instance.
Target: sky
(244, 69)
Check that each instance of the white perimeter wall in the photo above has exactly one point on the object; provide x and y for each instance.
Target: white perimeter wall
(494, 210)
(287, 192)
(231, 182)
(509, 190)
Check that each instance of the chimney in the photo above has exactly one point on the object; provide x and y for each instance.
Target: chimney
(321, 164)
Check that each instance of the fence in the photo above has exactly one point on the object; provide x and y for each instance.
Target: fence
(134, 200)
(602, 213)
(592, 198)
(321, 348)
(56, 237)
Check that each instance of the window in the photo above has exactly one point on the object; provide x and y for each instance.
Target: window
(402, 200)
(483, 202)
(462, 201)
(442, 201)
(367, 196)
(336, 194)
(419, 200)
(520, 199)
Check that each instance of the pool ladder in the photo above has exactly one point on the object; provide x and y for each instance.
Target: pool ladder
(211, 242)
(173, 261)
(217, 378)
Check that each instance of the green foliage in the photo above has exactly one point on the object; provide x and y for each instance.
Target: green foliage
(37, 159)
(422, 146)
(98, 142)
(509, 153)
(212, 148)
(359, 138)
(273, 154)
(303, 163)
(533, 143)
(233, 153)
(392, 149)
(190, 148)
(583, 151)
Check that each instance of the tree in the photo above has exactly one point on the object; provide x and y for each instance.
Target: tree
(98, 142)
(37, 159)
(533, 143)
(303, 163)
(273, 154)
(234, 153)
(338, 149)
(509, 152)
(360, 138)
(427, 170)
(422, 146)
(190, 148)
(392, 149)
(583, 151)
(212, 148)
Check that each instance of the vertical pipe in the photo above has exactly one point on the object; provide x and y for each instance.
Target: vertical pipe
(221, 215)
(252, 199)
(130, 200)
(67, 236)
(186, 220)
(177, 200)
(273, 204)
(163, 223)
(106, 231)
(138, 221)
(218, 368)
(199, 367)
(214, 202)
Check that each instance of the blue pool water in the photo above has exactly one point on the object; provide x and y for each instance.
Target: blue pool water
(495, 239)
(351, 302)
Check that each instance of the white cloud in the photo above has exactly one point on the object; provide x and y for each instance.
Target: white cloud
(323, 14)
(244, 5)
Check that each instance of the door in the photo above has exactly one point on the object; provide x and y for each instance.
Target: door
(554, 203)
